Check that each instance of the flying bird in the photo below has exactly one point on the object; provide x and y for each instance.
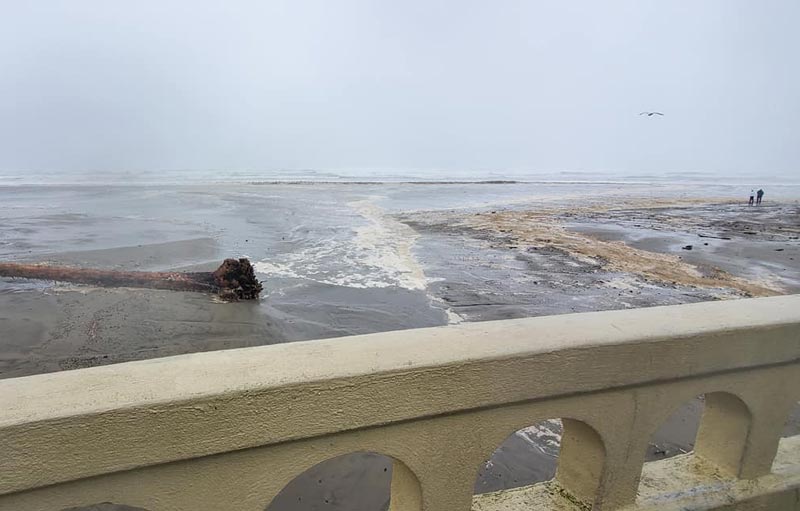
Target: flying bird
(651, 114)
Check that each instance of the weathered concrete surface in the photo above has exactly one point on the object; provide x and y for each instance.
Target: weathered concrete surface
(197, 431)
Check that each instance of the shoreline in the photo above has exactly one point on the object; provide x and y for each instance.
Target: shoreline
(405, 269)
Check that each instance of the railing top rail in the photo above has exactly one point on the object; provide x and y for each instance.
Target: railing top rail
(198, 375)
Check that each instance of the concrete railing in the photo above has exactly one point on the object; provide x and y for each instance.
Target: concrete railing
(228, 430)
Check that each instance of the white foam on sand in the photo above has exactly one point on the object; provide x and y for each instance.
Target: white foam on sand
(387, 244)
(545, 436)
(378, 255)
(453, 318)
(276, 269)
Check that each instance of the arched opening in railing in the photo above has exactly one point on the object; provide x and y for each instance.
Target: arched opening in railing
(712, 428)
(568, 454)
(678, 433)
(525, 457)
(787, 445)
(359, 481)
(792, 426)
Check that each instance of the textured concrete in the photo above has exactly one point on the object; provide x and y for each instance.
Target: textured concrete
(228, 430)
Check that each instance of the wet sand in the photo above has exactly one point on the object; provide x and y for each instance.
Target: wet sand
(70, 326)
(318, 282)
(519, 262)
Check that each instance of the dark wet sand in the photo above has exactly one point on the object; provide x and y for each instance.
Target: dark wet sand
(72, 327)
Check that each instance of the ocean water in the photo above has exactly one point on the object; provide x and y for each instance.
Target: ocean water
(757, 178)
(310, 235)
(297, 227)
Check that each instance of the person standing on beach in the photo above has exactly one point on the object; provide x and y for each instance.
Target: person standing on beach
(752, 196)
(759, 195)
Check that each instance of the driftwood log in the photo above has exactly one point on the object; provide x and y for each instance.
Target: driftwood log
(233, 280)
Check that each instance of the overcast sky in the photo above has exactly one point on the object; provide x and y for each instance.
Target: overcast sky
(412, 85)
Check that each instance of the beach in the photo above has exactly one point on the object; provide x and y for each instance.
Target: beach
(345, 258)
(630, 254)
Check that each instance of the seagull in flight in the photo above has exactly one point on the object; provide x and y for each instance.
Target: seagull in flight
(651, 114)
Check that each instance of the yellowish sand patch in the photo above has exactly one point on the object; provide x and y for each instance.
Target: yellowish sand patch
(541, 229)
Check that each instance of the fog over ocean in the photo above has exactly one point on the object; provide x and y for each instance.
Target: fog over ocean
(759, 177)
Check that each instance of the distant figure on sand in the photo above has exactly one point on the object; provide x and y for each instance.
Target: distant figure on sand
(759, 195)
(752, 196)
